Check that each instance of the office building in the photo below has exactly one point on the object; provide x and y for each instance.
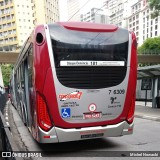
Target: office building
(95, 15)
(141, 23)
(45, 11)
(18, 18)
(118, 11)
(16, 22)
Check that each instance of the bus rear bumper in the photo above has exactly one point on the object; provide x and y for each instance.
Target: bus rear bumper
(119, 129)
(64, 135)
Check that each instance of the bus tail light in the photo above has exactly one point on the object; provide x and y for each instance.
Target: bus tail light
(130, 115)
(44, 120)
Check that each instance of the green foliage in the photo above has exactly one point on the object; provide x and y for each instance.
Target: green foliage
(6, 72)
(155, 7)
(150, 46)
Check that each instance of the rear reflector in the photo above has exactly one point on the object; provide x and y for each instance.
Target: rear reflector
(42, 114)
(46, 137)
(130, 116)
(130, 129)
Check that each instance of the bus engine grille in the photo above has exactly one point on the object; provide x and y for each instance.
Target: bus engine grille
(90, 77)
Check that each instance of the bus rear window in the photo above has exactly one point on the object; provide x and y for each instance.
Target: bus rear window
(78, 47)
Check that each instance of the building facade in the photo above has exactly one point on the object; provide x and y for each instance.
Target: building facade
(95, 15)
(141, 23)
(118, 11)
(8, 27)
(18, 18)
(45, 11)
(23, 19)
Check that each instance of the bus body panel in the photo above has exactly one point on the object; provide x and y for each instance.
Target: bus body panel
(41, 60)
(41, 64)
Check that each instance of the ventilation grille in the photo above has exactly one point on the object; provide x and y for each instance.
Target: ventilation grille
(90, 77)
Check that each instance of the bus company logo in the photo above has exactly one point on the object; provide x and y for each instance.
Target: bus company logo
(113, 99)
(73, 95)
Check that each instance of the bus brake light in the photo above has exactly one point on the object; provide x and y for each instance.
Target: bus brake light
(42, 114)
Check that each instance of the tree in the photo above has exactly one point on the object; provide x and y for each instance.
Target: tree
(155, 7)
(6, 72)
(150, 46)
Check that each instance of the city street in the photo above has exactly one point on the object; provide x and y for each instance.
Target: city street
(145, 138)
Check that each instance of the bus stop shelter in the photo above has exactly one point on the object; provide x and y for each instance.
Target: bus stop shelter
(153, 73)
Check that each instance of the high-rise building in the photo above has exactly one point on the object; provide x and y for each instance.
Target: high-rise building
(18, 18)
(141, 23)
(23, 19)
(73, 10)
(95, 15)
(8, 32)
(118, 11)
(45, 11)
(16, 23)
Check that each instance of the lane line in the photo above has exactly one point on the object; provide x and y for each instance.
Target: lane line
(151, 117)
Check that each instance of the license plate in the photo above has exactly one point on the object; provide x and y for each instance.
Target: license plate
(92, 115)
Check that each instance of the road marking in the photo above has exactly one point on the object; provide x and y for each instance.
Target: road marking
(150, 117)
(6, 114)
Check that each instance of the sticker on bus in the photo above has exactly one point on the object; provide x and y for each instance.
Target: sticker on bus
(66, 112)
(73, 95)
(70, 104)
(92, 115)
(92, 63)
(92, 107)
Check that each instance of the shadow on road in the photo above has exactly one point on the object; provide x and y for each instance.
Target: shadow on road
(92, 144)
(78, 148)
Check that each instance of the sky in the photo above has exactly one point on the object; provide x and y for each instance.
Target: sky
(90, 4)
(63, 10)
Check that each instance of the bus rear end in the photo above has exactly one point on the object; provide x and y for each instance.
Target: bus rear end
(89, 87)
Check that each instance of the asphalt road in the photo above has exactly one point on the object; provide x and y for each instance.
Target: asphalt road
(146, 137)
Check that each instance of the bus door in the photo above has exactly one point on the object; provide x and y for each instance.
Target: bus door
(22, 92)
(17, 89)
(28, 83)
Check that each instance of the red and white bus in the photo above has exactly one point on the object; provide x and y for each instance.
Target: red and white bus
(75, 81)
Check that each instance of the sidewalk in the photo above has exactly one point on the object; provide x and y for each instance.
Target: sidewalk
(147, 112)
